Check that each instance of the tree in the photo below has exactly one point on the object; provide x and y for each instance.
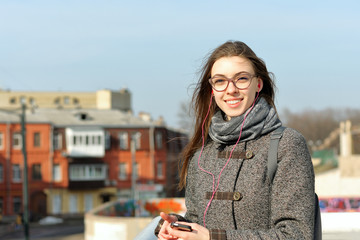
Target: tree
(186, 117)
(318, 125)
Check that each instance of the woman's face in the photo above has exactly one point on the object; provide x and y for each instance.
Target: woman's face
(232, 101)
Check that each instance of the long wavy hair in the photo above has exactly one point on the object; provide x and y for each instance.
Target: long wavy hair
(202, 95)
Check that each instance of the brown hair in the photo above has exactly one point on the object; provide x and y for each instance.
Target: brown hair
(202, 94)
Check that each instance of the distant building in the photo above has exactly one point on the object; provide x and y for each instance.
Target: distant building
(80, 156)
(341, 184)
(102, 99)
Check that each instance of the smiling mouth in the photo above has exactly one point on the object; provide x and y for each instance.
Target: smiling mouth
(233, 101)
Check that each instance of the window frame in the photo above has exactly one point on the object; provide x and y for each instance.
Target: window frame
(36, 172)
(123, 140)
(160, 170)
(136, 136)
(18, 201)
(56, 171)
(159, 140)
(123, 171)
(107, 140)
(16, 172)
(37, 139)
(1, 140)
(1, 172)
(57, 141)
(17, 138)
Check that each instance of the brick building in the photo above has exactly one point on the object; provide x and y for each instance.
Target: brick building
(81, 157)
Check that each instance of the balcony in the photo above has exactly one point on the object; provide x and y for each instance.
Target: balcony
(85, 142)
(87, 176)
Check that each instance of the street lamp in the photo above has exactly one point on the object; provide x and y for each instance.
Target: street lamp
(25, 177)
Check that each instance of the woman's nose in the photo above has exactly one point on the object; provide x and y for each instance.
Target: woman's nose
(231, 87)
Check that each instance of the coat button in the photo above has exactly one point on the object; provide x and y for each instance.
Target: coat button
(237, 196)
(249, 154)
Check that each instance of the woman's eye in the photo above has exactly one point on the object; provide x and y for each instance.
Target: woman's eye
(219, 81)
(243, 78)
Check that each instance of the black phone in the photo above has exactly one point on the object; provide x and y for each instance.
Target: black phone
(181, 227)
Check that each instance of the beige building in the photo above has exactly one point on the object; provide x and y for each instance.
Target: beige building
(101, 99)
(343, 181)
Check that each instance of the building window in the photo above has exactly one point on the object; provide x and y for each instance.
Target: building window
(88, 202)
(66, 100)
(87, 172)
(159, 140)
(107, 140)
(77, 140)
(56, 204)
(36, 172)
(80, 140)
(123, 140)
(36, 139)
(73, 203)
(32, 101)
(1, 206)
(57, 141)
(123, 171)
(56, 173)
(57, 101)
(12, 100)
(159, 170)
(1, 173)
(96, 140)
(16, 204)
(137, 170)
(137, 138)
(1, 140)
(16, 173)
(17, 144)
(23, 100)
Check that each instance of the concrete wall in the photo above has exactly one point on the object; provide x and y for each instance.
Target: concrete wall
(126, 228)
(340, 222)
(108, 228)
(333, 184)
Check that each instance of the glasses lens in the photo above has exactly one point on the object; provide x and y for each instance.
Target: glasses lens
(218, 83)
(243, 81)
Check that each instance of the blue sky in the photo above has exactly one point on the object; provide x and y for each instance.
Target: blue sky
(155, 48)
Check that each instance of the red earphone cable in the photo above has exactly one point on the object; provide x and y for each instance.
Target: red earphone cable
(202, 148)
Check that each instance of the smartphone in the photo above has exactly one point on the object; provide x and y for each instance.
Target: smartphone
(181, 227)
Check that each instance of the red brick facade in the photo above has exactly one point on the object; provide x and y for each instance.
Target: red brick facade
(156, 157)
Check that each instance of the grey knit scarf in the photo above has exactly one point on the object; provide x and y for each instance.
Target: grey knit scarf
(261, 120)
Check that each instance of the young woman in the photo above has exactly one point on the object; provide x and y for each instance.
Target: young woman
(228, 194)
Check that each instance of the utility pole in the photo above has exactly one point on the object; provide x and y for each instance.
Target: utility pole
(25, 176)
(133, 174)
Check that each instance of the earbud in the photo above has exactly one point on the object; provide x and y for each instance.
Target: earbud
(259, 86)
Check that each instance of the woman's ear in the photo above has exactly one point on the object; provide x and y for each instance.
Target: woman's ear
(260, 85)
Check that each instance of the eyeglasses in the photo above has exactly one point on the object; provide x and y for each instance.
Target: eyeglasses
(241, 81)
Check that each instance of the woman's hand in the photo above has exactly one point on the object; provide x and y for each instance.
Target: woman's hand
(164, 234)
(168, 233)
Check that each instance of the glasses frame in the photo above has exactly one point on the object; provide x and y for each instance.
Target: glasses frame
(233, 81)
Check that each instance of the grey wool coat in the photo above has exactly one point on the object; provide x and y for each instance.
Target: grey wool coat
(247, 205)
